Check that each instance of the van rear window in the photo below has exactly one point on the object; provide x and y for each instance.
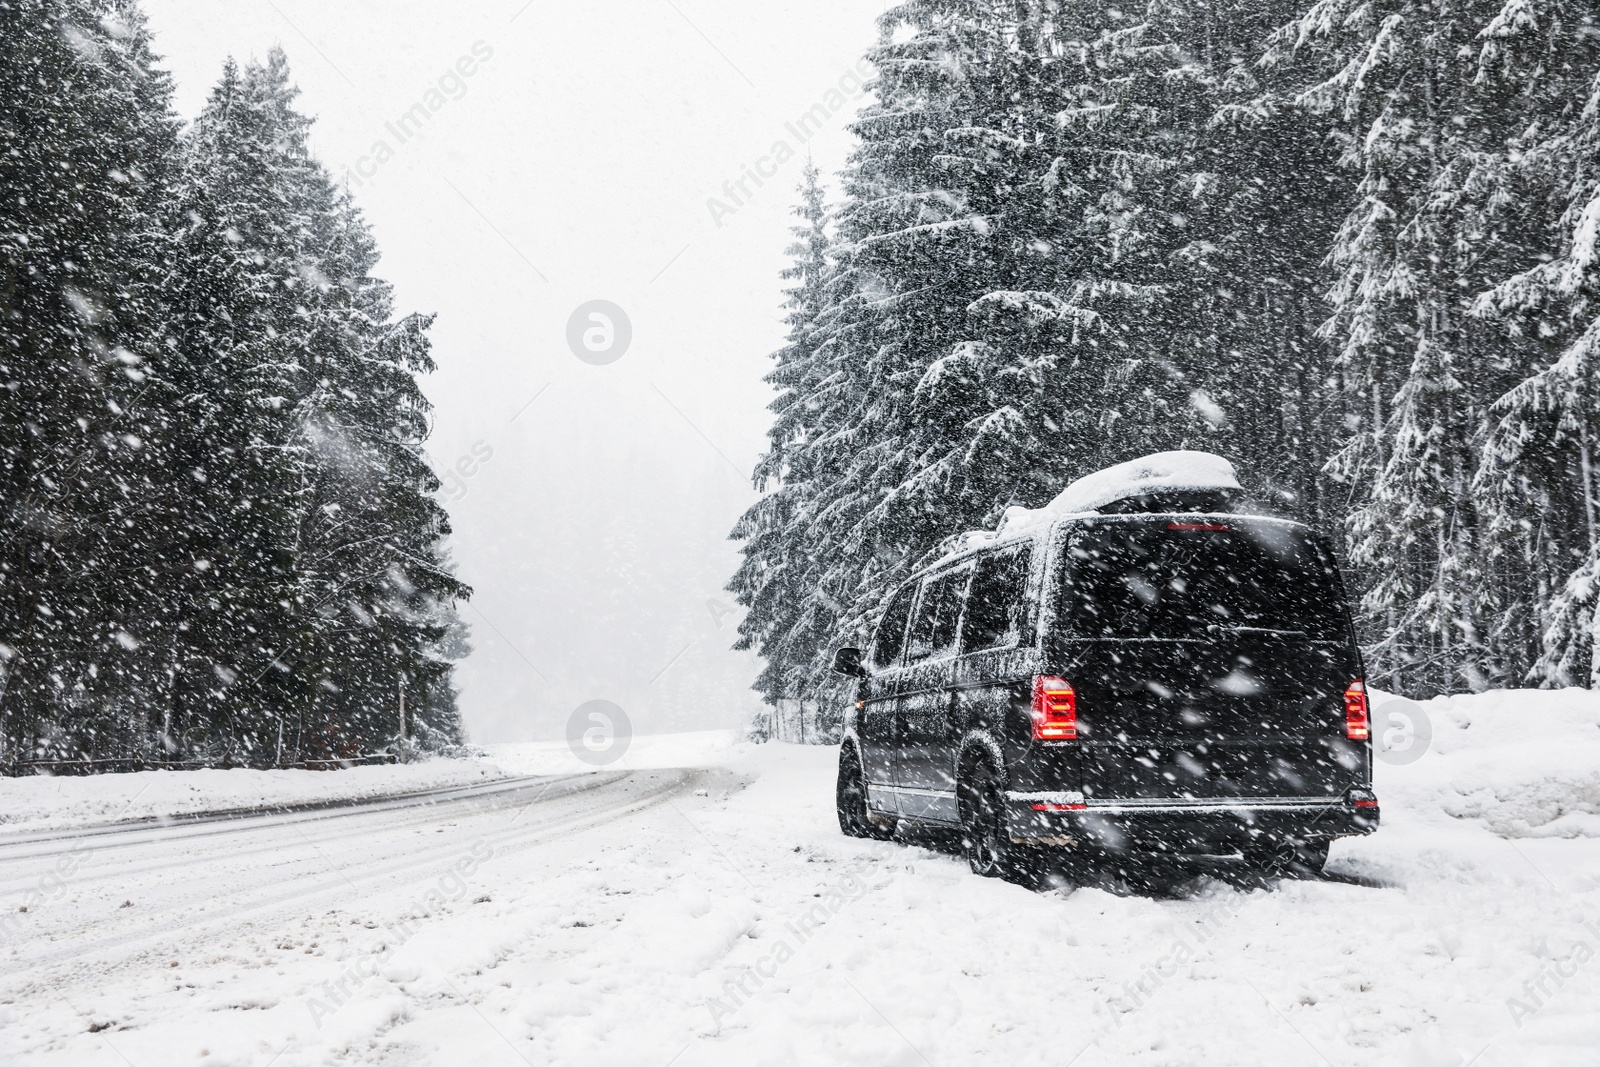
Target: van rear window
(1190, 576)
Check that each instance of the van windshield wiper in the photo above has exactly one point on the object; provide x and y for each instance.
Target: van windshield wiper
(1217, 627)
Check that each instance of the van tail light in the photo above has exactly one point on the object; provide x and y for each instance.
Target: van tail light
(1357, 724)
(1055, 709)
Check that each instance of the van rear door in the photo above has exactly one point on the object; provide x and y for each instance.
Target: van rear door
(1210, 655)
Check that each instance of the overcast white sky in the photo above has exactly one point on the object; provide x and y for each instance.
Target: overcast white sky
(573, 164)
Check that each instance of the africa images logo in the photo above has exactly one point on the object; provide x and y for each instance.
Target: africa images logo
(599, 332)
(599, 732)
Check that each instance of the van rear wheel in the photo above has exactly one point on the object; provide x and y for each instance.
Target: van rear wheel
(850, 797)
(985, 837)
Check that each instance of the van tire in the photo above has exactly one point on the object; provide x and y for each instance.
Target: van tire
(850, 797)
(985, 836)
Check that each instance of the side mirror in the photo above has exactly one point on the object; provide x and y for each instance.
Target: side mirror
(847, 660)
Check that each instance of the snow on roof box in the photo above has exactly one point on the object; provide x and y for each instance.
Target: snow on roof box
(1140, 477)
(1162, 472)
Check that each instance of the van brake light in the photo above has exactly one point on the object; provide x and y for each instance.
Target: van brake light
(1357, 724)
(1055, 709)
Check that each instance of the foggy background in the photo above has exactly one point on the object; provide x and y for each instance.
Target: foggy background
(574, 163)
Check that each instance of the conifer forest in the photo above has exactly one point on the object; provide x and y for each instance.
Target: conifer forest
(1353, 246)
(222, 541)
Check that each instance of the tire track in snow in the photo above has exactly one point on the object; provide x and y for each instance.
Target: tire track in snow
(325, 826)
(639, 790)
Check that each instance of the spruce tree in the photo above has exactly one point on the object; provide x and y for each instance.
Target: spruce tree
(777, 580)
(240, 325)
(314, 570)
(1422, 108)
(86, 143)
(1538, 474)
(226, 542)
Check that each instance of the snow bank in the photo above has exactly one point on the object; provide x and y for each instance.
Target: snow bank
(41, 802)
(1523, 763)
(1147, 474)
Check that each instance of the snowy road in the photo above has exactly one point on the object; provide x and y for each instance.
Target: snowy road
(201, 874)
(716, 916)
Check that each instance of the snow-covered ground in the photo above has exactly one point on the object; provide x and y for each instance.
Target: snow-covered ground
(715, 916)
(44, 803)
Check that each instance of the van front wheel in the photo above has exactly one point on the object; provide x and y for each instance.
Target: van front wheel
(850, 797)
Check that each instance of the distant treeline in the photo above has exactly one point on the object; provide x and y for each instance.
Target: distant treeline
(1350, 244)
(222, 544)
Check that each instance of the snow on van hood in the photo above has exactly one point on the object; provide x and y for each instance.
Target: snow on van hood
(1147, 474)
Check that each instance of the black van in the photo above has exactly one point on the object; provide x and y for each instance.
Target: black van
(1164, 676)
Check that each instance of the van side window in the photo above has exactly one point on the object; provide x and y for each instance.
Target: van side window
(892, 628)
(933, 631)
(997, 604)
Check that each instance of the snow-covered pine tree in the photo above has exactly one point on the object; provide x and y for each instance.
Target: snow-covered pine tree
(225, 539)
(314, 577)
(904, 270)
(787, 620)
(1259, 199)
(1538, 474)
(241, 485)
(86, 142)
(383, 592)
(1417, 110)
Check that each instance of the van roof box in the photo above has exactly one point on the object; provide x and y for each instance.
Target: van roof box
(1165, 481)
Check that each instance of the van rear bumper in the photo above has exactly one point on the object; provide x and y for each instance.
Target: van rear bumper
(1187, 826)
